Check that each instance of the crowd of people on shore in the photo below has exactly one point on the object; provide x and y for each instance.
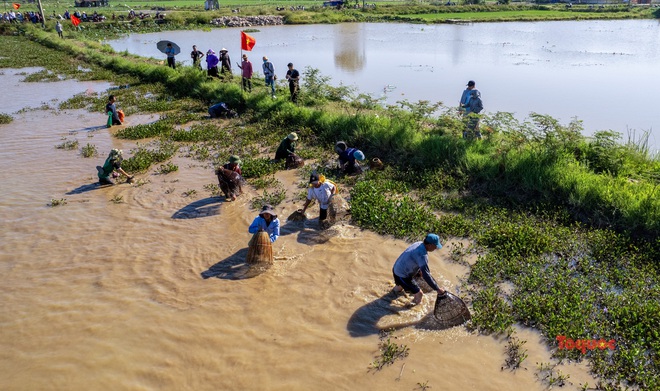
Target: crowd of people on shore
(218, 65)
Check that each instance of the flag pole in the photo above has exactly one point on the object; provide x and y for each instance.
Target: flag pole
(43, 17)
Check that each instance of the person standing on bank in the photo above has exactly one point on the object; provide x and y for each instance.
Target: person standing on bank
(266, 221)
(212, 64)
(170, 52)
(293, 76)
(322, 192)
(465, 96)
(269, 74)
(246, 73)
(225, 63)
(196, 56)
(58, 28)
(415, 260)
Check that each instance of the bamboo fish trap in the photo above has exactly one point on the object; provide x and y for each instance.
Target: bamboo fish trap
(260, 249)
(450, 311)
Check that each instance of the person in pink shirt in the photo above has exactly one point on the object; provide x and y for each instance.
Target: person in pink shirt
(246, 72)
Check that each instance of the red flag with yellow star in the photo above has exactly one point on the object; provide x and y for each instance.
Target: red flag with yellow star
(247, 42)
(16, 6)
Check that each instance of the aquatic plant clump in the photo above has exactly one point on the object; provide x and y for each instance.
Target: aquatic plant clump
(5, 118)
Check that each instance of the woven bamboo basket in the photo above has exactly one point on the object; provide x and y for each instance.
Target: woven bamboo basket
(450, 311)
(260, 250)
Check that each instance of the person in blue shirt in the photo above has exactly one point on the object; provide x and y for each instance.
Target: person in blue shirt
(170, 52)
(348, 158)
(415, 260)
(266, 221)
(465, 97)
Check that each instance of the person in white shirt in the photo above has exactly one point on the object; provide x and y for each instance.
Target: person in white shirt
(322, 192)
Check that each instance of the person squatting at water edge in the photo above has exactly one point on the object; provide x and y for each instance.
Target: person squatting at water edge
(413, 261)
(348, 158)
(112, 164)
(266, 221)
(287, 147)
(322, 191)
(230, 179)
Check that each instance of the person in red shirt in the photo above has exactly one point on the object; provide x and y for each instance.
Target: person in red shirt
(246, 72)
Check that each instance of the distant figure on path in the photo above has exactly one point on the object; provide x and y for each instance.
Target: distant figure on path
(293, 76)
(413, 261)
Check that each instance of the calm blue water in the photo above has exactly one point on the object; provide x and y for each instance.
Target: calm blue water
(601, 72)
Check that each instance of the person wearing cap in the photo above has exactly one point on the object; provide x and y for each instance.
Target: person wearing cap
(348, 158)
(112, 164)
(234, 164)
(293, 76)
(225, 62)
(269, 74)
(196, 55)
(465, 96)
(322, 192)
(246, 73)
(212, 64)
(287, 146)
(413, 261)
(266, 221)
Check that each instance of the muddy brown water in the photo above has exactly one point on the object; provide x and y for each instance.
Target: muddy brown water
(152, 293)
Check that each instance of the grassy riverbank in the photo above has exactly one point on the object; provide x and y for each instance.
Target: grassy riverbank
(566, 228)
(185, 14)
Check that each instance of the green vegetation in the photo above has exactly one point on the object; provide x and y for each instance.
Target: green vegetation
(89, 150)
(167, 168)
(389, 352)
(5, 118)
(68, 144)
(60, 202)
(566, 228)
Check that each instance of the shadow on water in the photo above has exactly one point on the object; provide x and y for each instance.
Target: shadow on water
(201, 208)
(235, 267)
(86, 188)
(364, 321)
